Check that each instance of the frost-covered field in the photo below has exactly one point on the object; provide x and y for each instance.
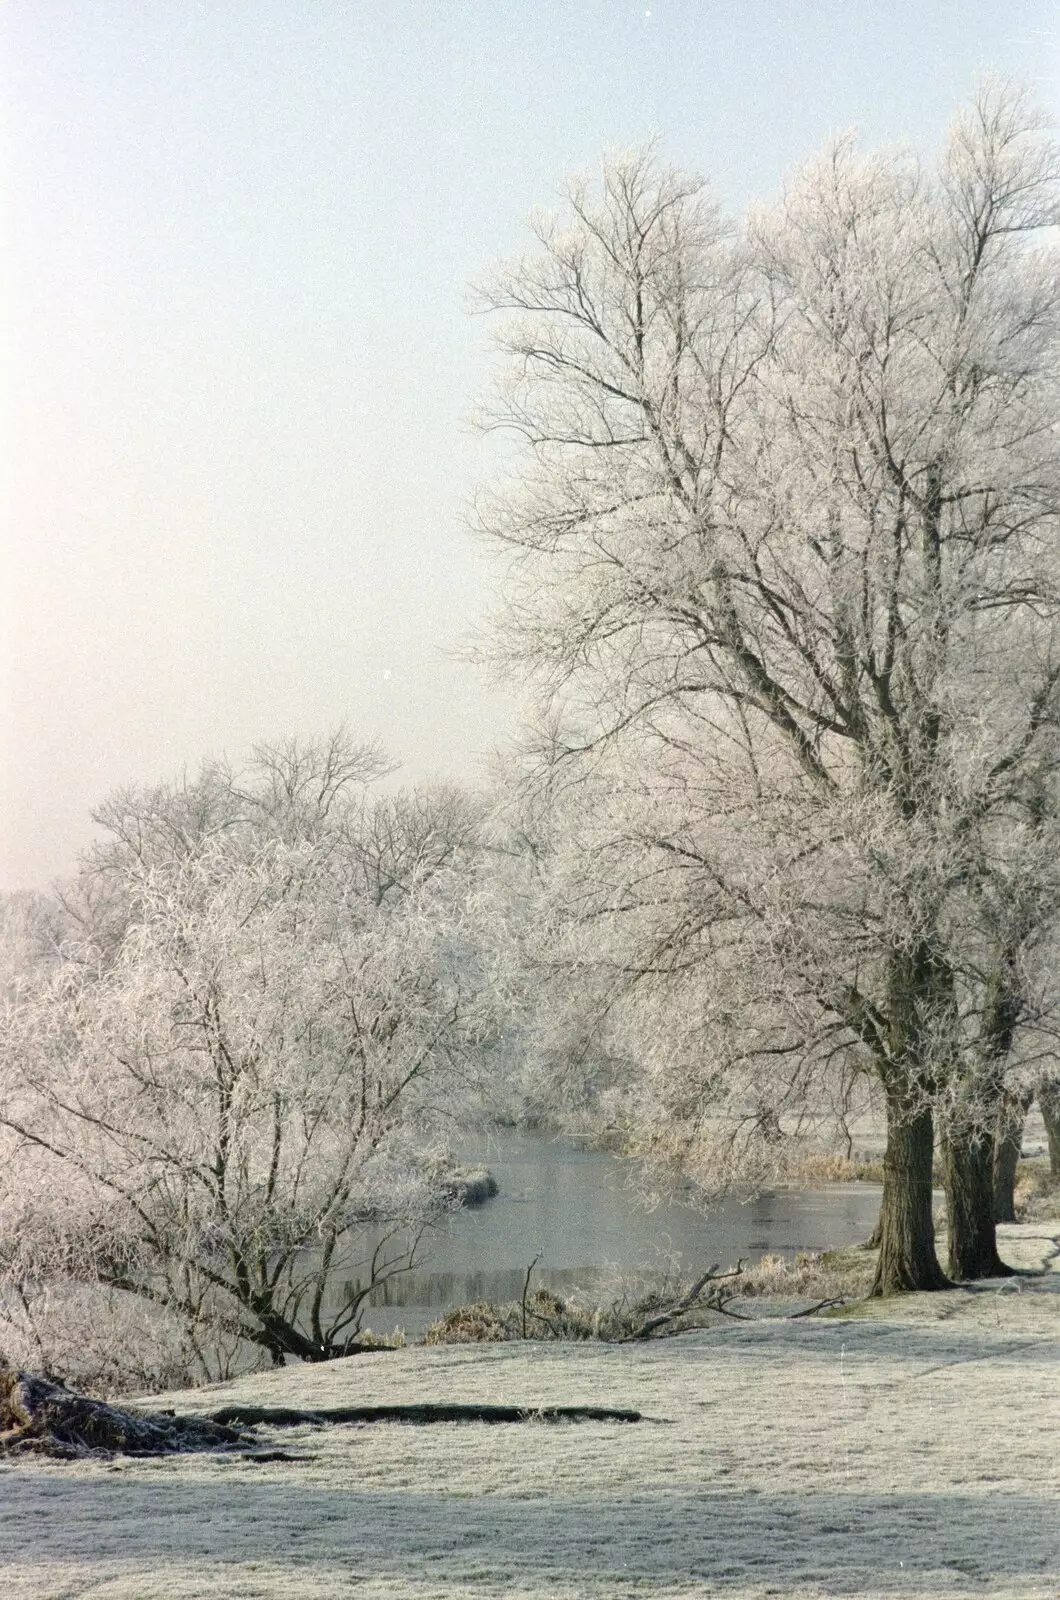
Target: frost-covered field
(911, 1451)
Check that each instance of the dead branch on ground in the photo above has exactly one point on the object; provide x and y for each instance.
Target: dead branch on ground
(715, 1301)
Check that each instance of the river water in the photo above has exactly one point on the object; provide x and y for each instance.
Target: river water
(576, 1210)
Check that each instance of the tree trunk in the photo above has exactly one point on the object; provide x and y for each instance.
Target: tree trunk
(968, 1177)
(1006, 1158)
(1008, 1144)
(907, 1257)
(1049, 1100)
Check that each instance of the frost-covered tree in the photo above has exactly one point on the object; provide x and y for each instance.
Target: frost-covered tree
(783, 577)
(31, 931)
(202, 1111)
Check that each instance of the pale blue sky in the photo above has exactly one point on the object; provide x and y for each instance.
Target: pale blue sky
(240, 237)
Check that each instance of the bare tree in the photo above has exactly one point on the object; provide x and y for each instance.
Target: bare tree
(201, 1116)
(782, 576)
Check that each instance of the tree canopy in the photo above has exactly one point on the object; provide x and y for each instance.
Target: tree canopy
(782, 575)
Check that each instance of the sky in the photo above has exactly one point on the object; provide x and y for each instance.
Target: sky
(238, 241)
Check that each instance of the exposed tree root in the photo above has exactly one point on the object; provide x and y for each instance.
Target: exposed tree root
(39, 1417)
(419, 1412)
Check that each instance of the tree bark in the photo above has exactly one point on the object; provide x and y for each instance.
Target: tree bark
(968, 1178)
(1049, 1101)
(875, 1238)
(907, 1259)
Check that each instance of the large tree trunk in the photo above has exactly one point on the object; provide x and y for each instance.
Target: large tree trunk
(968, 1178)
(1008, 1144)
(907, 1258)
(1049, 1100)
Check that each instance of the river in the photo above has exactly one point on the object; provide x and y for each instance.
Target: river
(575, 1209)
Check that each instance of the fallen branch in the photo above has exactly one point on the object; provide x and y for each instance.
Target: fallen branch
(526, 1287)
(722, 1307)
(420, 1412)
(715, 1302)
(822, 1305)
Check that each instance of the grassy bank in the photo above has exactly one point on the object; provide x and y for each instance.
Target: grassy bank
(909, 1452)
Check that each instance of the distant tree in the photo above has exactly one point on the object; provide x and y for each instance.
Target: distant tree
(1048, 1090)
(31, 931)
(200, 1112)
(783, 578)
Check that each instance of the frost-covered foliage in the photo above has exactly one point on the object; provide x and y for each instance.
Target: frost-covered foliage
(31, 931)
(783, 576)
(103, 1341)
(243, 1070)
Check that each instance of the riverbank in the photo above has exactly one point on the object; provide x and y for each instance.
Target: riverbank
(906, 1449)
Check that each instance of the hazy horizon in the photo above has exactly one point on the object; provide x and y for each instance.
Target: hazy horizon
(240, 240)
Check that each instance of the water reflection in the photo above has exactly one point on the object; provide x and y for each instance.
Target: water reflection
(576, 1210)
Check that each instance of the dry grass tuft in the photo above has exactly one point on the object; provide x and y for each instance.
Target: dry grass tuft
(822, 1166)
(367, 1340)
(481, 1322)
(831, 1275)
(543, 1315)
